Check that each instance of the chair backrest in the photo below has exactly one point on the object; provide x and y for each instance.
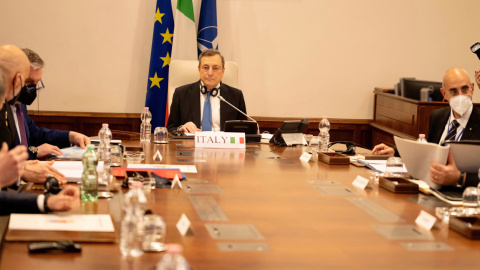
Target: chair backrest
(184, 72)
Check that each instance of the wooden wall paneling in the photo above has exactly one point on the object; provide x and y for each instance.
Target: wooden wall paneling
(356, 130)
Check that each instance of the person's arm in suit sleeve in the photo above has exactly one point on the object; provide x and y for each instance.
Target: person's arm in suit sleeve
(18, 203)
(174, 116)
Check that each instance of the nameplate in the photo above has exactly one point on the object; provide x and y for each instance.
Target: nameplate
(220, 140)
(306, 157)
(360, 182)
(425, 220)
(184, 226)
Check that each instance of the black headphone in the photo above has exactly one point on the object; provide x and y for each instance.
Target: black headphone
(52, 186)
(214, 91)
(350, 147)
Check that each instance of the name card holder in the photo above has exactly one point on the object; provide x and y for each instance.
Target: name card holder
(225, 140)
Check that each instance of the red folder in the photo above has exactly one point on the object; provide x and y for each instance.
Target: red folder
(165, 173)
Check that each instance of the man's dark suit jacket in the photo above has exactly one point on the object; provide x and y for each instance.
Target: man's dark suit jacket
(438, 120)
(185, 106)
(37, 136)
(18, 203)
(8, 130)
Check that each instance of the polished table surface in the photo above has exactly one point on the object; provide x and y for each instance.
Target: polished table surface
(303, 227)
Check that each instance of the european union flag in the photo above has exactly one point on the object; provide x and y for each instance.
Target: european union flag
(157, 88)
(207, 26)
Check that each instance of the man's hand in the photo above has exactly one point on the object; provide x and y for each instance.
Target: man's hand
(38, 172)
(189, 127)
(67, 199)
(11, 164)
(47, 149)
(78, 139)
(445, 175)
(383, 149)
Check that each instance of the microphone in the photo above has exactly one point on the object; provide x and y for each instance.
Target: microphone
(476, 49)
(222, 99)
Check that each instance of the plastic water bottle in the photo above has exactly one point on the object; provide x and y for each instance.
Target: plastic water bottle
(173, 259)
(324, 135)
(133, 227)
(105, 154)
(89, 190)
(145, 126)
(421, 138)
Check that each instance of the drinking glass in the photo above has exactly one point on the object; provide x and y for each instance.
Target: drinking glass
(394, 167)
(308, 138)
(116, 156)
(470, 200)
(443, 213)
(155, 229)
(160, 135)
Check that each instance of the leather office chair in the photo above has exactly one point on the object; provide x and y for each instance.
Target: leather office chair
(184, 72)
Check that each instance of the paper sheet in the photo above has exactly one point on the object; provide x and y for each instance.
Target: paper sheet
(72, 153)
(182, 168)
(73, 169)
(466, 156)
(418, 156)
(380, 165)
(50, 222)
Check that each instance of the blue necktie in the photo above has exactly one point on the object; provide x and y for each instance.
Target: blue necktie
(207, 114)
(452, 133)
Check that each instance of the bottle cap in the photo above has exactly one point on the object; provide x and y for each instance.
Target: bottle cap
(146, 108)
(90, 147)
(324, 117)
(136, 184)
(174, 249)
(421, 135)
(104, 125)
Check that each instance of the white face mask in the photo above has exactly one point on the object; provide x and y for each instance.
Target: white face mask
(460, 104)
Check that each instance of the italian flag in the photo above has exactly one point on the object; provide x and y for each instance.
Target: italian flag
(185, 36)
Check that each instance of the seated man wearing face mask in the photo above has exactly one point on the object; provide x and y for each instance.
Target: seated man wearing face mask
(42, 141)
(459, 122)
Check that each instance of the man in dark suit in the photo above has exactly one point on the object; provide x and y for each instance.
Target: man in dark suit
(196, 106)
(12, 70)
(42, 141)
(459, 122)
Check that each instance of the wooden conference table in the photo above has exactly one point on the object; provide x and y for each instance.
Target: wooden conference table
(308, 215)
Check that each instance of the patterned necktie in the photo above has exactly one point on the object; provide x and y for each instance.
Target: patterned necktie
(452, 133)
(21, 124)
(207, 114)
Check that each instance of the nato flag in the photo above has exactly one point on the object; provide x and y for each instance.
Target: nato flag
(207, 26)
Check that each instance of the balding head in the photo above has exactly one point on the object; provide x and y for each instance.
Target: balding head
(456, 81)
(16, 67)
(2, 86)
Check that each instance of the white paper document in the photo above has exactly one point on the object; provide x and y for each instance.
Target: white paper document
(182, 168)
(50, 222)
(380, 165)
(418, 156)
(74, 152)
(73, 169)
(466, 155)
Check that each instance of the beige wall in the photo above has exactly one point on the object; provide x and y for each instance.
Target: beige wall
(297, 58)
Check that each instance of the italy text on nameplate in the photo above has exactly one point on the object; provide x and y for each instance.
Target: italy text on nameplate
(219, 140)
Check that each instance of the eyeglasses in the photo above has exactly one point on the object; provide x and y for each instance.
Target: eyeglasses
(40, 86)
(214, 68)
